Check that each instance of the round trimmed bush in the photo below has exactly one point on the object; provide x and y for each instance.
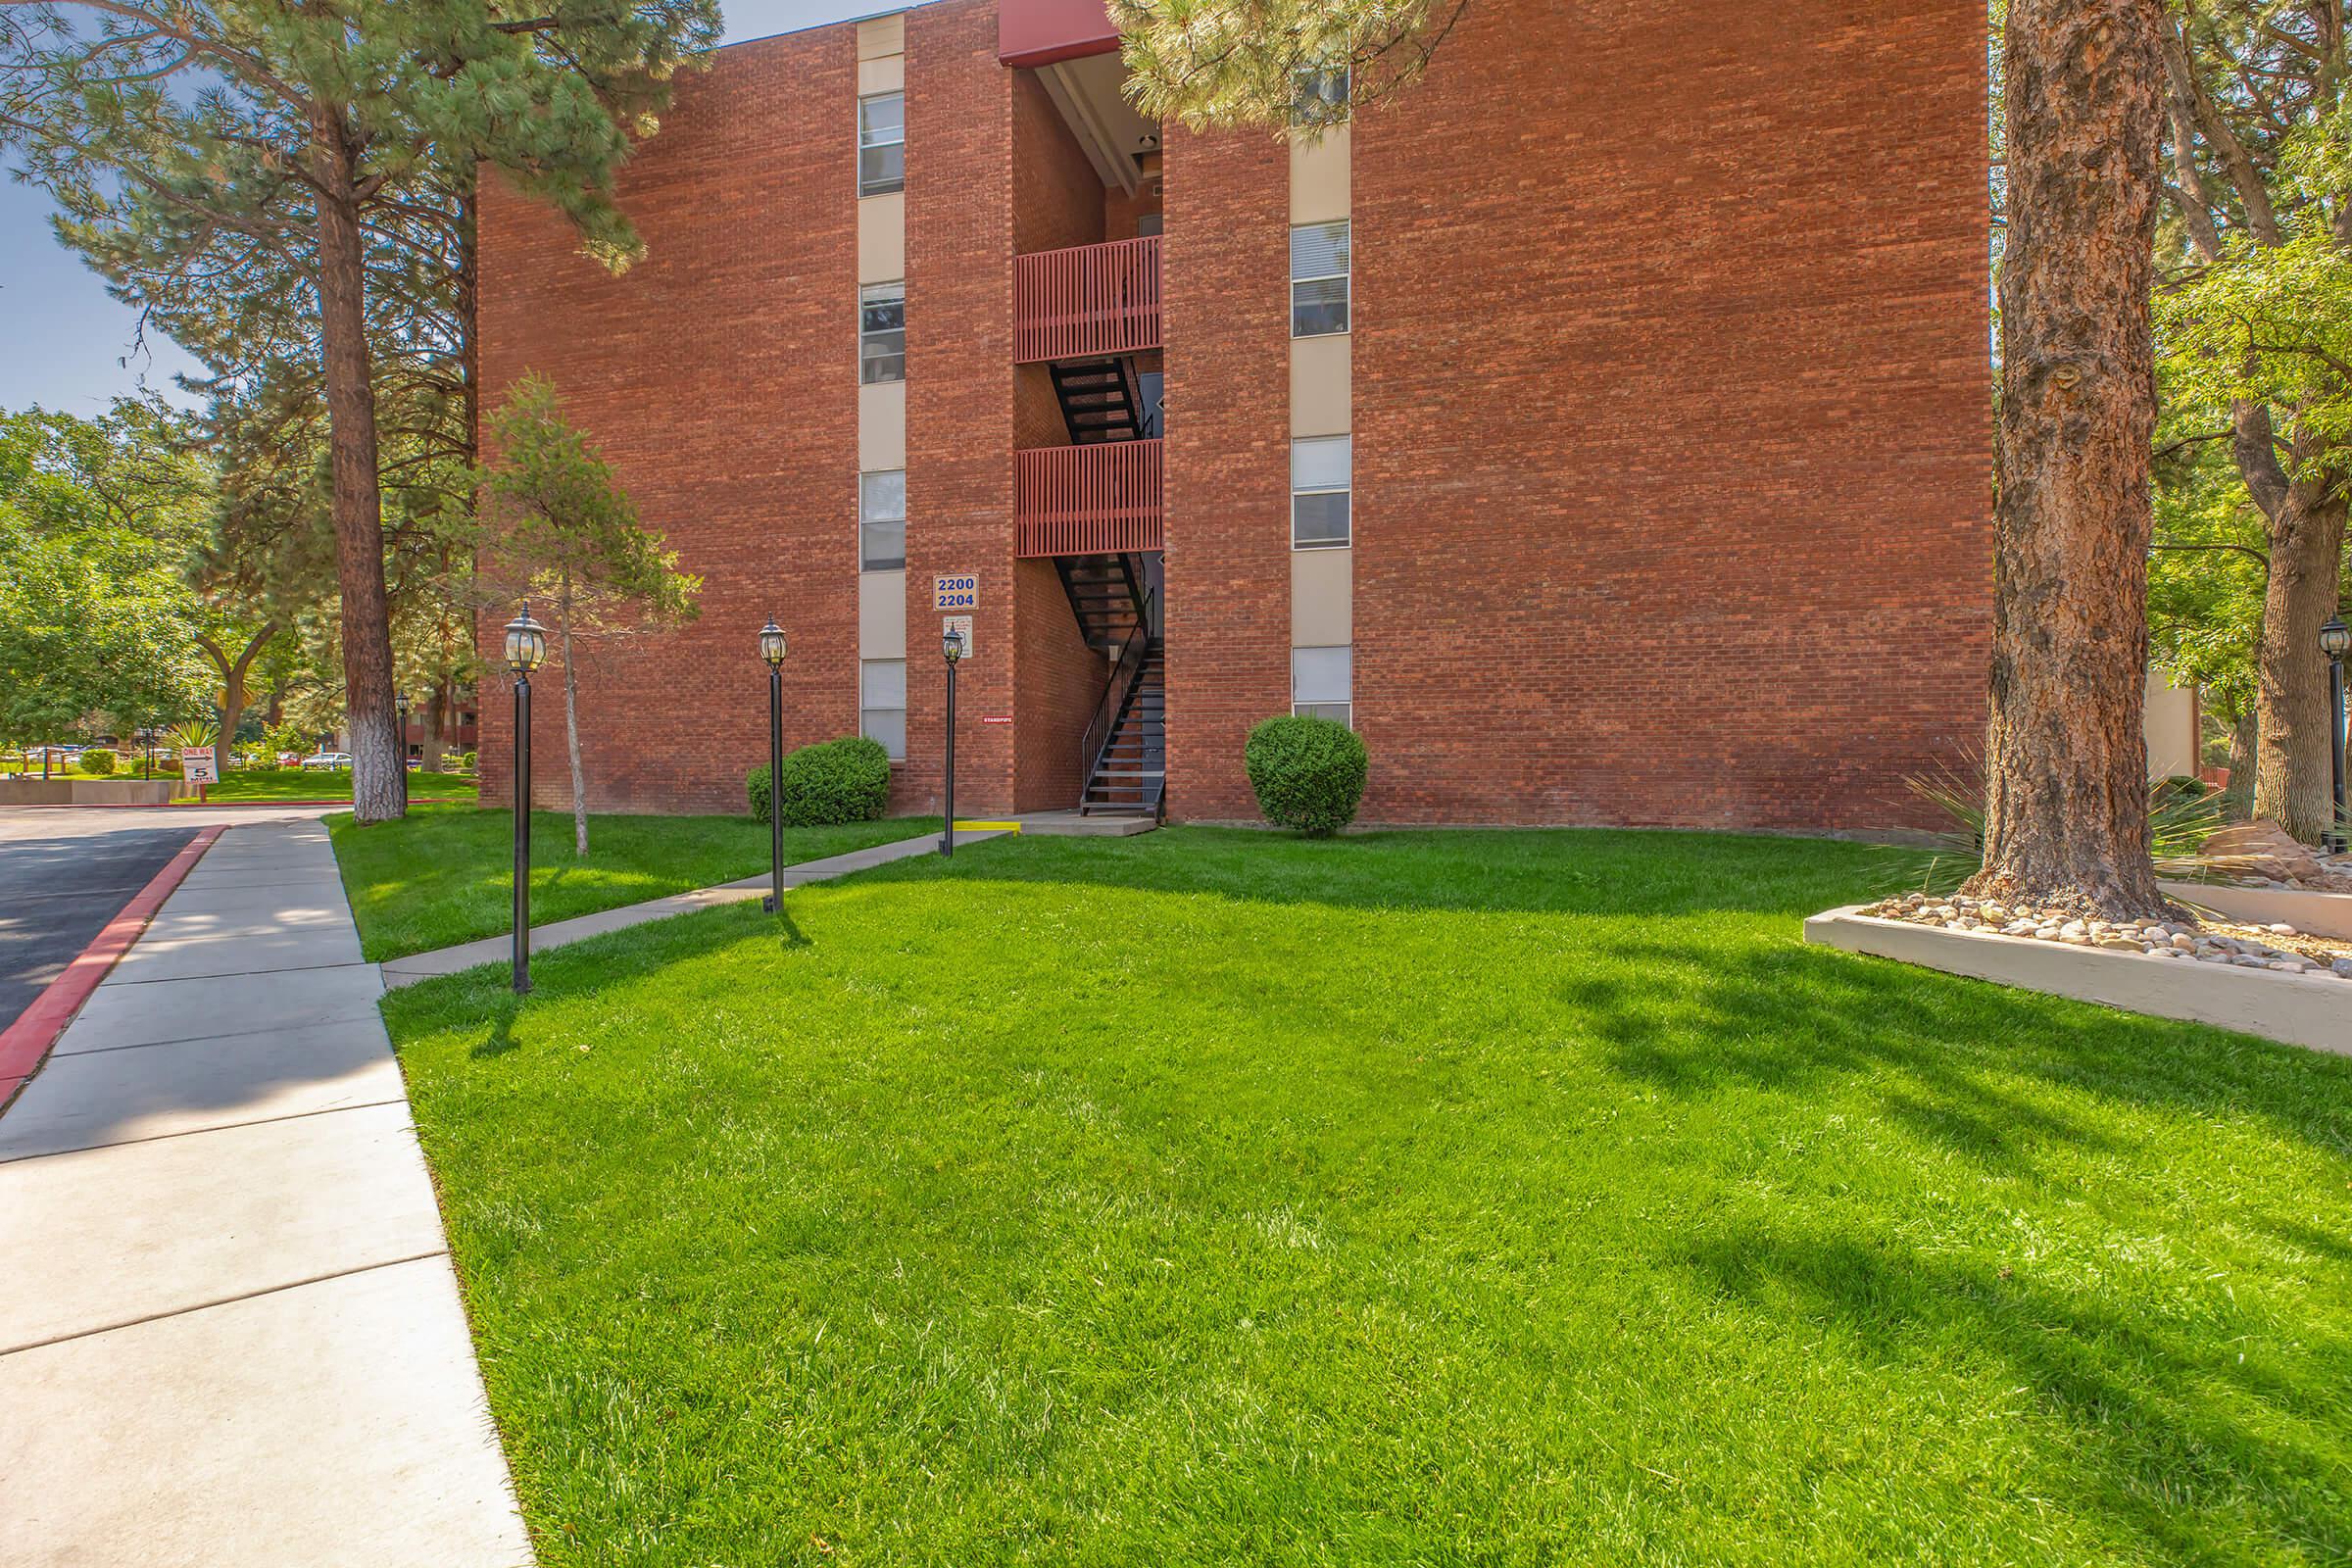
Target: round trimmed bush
(98, 761)
(847, 780)
(1309, 773)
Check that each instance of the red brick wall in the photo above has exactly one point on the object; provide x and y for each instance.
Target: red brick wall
(1225, 287)
(719, 376)
(1672, 449)
(958, 395)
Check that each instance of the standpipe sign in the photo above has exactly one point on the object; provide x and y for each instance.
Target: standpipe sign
(956, 591)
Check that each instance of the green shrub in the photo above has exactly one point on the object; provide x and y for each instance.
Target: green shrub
(1309, 773)
(847, 780)
(98, 761)
(471, 760)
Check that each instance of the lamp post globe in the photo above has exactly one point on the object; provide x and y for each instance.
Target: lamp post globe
(527, 647)
(771, 650)
(527, 643)
(951, 645)
(2335, 641)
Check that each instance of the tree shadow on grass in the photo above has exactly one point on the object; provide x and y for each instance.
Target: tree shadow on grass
(1809, 1022)
(2168, 1419)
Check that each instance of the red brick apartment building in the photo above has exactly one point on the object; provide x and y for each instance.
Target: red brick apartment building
(1600, 428)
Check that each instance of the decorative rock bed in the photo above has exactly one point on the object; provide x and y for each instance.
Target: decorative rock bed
(2284, 986)
(2278, 946)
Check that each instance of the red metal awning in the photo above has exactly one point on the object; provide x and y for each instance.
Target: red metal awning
(1040, 32)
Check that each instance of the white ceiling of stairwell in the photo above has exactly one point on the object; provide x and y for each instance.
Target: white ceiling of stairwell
(1089, 94)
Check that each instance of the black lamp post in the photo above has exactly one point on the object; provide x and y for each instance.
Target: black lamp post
(951, 648)
(527, 646)
(2336, 640)
(771, 649)
(400, 705)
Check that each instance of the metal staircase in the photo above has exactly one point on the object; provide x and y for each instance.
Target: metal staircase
(1125, 752)
(1101, 399)
(1130, 773)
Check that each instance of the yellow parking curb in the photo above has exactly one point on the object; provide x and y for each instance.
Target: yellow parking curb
(987, 827)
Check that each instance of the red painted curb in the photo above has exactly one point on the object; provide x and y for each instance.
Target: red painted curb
(25, 1044)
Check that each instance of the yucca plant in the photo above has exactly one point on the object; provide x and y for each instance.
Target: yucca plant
(180, 737)
(2182, 815)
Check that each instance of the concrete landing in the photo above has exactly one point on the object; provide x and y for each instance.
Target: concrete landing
(229, 1332)
(1070, 825)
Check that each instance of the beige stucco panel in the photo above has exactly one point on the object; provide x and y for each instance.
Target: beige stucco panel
(1319, 177)
(881, 426)
(886, 75)
(882, 238)
(882, 35)
(2170, 725)
(881, 615)
(1322, 371)
(1322, 598)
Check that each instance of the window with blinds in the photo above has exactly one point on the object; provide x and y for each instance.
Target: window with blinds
(1319, 278)
(882, 521)
(1321, 479)
(882, 704)
(1323, 683)
(881, 144)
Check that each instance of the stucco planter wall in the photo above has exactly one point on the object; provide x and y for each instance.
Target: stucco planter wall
(2299, 1009)
(88, 791)
(2320, 914)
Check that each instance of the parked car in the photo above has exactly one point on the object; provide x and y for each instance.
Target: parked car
(326, 761)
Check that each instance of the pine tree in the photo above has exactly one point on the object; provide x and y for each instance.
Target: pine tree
(557, 523)
(267, 150)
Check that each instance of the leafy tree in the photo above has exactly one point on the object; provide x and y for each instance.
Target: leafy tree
(96, 616)
(261, 151)
(557, 525)
(2256, 315)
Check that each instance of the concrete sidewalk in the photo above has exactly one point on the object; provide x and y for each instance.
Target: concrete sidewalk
(556, 933)
(229, 1332)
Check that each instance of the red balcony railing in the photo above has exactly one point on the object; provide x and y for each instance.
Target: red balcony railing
(1086, 300)
(1088, 501)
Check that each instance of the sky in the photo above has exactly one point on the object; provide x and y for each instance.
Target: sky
(67, 345)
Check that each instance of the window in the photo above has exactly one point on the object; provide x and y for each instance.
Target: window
(1319, 278)
(882, 704)
(1320, 479)
(882, 332)
(1153, 385)
(1321, 96)
(882, 521)
(1323, 683)
(882, 144)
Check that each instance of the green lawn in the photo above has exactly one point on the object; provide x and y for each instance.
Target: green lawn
(445, 874)
(295, 784)
(1411, 1198)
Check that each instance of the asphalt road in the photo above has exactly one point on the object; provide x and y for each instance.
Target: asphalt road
(59, 889)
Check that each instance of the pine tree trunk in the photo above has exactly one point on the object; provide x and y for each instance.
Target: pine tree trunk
(2237, 800)
(571, 723)
(2066, 793)
(2291, 782)
(377, 767)
(436, 725)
